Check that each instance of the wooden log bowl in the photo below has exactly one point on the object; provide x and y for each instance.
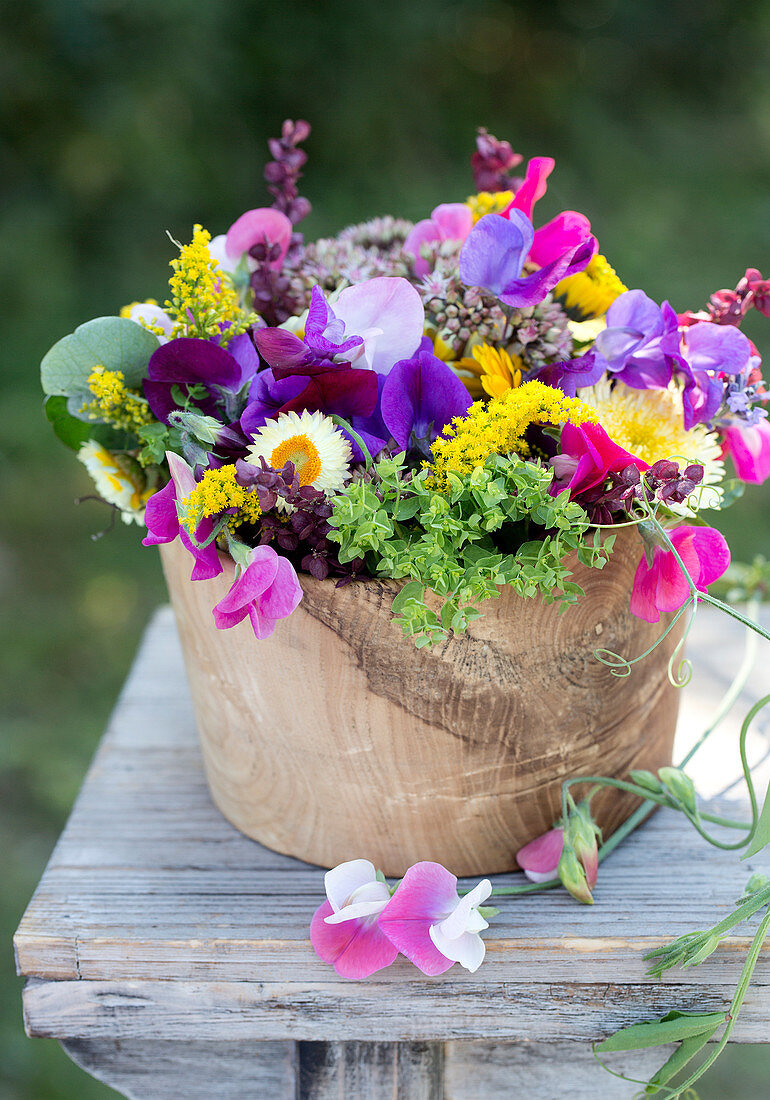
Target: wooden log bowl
(336, 739)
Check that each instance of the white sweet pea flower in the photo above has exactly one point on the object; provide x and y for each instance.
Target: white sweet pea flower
(457, 935)
(152, 317)
(354, 891)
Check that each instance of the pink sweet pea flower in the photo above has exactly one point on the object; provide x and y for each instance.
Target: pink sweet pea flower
(162, 520)
(539, 860)
(429, 923)
(662, 586)
(587, 455)
(261, 226)
(451, 221)
(749, 449)
(266, 591)
(344, 931)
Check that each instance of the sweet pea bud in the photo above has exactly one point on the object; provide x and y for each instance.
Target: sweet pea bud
(582, 832)
(680, 786)
(573, 876)
(203, 428)
(646, 780)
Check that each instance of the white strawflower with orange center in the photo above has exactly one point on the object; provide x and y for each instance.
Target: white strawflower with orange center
(319, 451)
(116, 482)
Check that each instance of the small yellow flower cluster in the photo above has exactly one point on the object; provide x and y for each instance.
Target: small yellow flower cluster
(114, 402)
(499, 427)
(216, 492)
(202, 294)
(497, 371)
(591, 292)
(488, 202)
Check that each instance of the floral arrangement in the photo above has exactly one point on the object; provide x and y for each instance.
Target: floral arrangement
(463, 403)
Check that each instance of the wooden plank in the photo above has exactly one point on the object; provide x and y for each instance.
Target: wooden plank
(150, 882)
(542, 1071)
(155, 1070)
(370, 1071)
(410, 1010)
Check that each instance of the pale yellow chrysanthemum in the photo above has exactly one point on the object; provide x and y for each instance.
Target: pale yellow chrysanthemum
(650, 424)
(319, 451)
(115, 482)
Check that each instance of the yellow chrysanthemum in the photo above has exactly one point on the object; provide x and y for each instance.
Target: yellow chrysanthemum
(319, 451)
(114, 402)
(118, 482)
(217, 492)
(497, 371)
(488, 202)
(591, 292)
(650, 424)
(499, 427)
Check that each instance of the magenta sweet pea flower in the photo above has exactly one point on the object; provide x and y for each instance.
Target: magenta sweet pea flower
(162, 520)
(497, 248)
(429, 923)
(451, 221)
(533, 186)
(344, 931)
(662, 586)
(266, 591)
(420, 397)
(749, 449)
(539, 860)
(586, 456)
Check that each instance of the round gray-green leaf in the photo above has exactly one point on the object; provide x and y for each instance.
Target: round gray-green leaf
(112, 342)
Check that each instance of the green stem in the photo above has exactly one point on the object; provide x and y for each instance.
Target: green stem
(735, 1007)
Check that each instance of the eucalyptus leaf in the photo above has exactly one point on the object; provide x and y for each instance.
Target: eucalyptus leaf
(671, 1028)
(74, 432)
(112, 342)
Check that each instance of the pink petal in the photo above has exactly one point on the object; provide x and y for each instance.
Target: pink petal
(564, 232)
(534, 185)
(424, 232)
(284, 594)
(454, 220)
(255, 579)
(257, 226)
(181, 474)
(390, 305)
(426, 895)
(355, 949)
(643, 590)
(749, 449)
(540, 858)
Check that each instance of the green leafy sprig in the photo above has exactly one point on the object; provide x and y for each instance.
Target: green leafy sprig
(496, 526)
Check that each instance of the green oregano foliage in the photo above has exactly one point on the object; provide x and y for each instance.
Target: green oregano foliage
(495, 526)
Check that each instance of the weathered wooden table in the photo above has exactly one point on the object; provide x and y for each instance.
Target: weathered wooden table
(170, 955)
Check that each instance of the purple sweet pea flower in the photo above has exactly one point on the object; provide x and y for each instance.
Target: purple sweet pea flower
(162, 520)
(266, 591)
(384, 318)
(639, 341)
(708, 351)
(420, 397)
(572, 374)
(188, 361)
(497, 248)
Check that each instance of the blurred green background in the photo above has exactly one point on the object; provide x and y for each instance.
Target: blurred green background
(120, 119)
